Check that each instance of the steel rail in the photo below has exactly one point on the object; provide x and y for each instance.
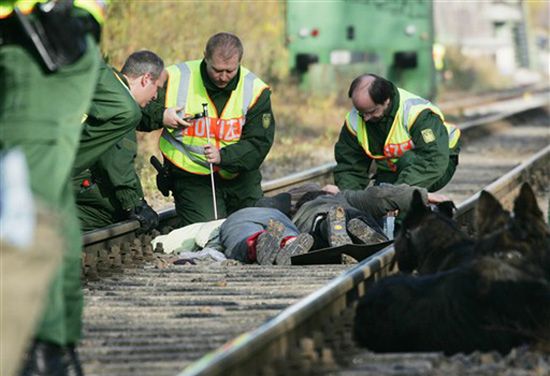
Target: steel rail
(125, 230)
(461, 105)
(247, 353)
(505, 185)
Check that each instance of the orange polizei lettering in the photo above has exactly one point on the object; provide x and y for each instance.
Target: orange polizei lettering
(405, 147)
(232, 129)
(220, 129)
(390, 150)
(197, 129)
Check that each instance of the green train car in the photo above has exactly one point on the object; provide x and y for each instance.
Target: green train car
(331, 42)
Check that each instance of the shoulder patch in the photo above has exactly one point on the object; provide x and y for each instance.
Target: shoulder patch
(266, 120)
(428, 136)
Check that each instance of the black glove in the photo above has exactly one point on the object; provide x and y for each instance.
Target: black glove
(147, 217)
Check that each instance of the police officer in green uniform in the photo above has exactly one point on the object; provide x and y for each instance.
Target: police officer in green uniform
(110, 190)
(235, 137)
(49, 61)
(405, 135)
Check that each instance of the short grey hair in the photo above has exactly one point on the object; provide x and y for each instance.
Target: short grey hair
(227, 44)
(142, 62)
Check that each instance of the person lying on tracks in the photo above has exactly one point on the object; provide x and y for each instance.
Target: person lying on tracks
(335, 217)
(265, 234)
(250, 235)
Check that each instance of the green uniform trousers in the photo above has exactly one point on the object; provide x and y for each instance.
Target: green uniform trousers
(41, 114)
(95, 209)
(193, 195)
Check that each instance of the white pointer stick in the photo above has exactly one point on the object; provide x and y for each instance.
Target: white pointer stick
(205, 113)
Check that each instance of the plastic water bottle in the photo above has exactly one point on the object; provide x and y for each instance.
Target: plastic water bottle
(388, 228)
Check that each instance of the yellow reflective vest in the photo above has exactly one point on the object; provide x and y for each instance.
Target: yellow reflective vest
(185, 88)
(399, 139)
(96, 8)
(25, 6)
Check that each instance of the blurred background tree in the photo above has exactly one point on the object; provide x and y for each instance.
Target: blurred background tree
(178, 31)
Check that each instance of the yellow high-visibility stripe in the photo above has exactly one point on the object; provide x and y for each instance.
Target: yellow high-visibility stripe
(97, 8)
(25, 6)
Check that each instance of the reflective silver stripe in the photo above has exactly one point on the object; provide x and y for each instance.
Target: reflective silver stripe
(248, 90)
(194, 149)
(183, 88)
(452, 131)
(407, 108)
(179, 138)
(184, 149)
(353, 116)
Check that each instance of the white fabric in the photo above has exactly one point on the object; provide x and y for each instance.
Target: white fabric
(188, 238)
(17, 210)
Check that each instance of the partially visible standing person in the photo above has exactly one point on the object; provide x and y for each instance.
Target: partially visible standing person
(235, 138)
(110, 190)
(405, 135)
(49, 66)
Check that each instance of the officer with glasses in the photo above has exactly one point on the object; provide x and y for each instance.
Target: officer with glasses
(405, 135)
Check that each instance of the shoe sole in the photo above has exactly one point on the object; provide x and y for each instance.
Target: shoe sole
(364, 232)
(302, 244)
(338, 234)
(269, 242)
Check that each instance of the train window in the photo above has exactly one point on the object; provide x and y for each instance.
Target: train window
(350, 32)
(405, 59)
(304, 60)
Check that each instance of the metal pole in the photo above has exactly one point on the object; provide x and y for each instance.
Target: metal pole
(207, 119)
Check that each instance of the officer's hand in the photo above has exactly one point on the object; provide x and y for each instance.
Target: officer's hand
(171, 119)
(436, 198)
(331, 188)
(147, 217)
(393, 213)
(212, 154)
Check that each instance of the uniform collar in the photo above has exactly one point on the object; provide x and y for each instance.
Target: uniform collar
(122, 78)
(211, 87)
(124, 81)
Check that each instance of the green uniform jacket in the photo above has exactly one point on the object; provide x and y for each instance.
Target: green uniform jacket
(111, 186)
(428, 165)
(113, 114)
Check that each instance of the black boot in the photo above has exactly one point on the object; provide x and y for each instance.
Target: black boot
(44, 359)
(72, 362)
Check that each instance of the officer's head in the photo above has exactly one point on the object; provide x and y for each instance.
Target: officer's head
(222, 55)
(145, 73)
(371, 96)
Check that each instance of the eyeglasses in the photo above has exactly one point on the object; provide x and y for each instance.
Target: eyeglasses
(370, 112)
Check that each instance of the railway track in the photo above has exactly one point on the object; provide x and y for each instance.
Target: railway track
(144, 320)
